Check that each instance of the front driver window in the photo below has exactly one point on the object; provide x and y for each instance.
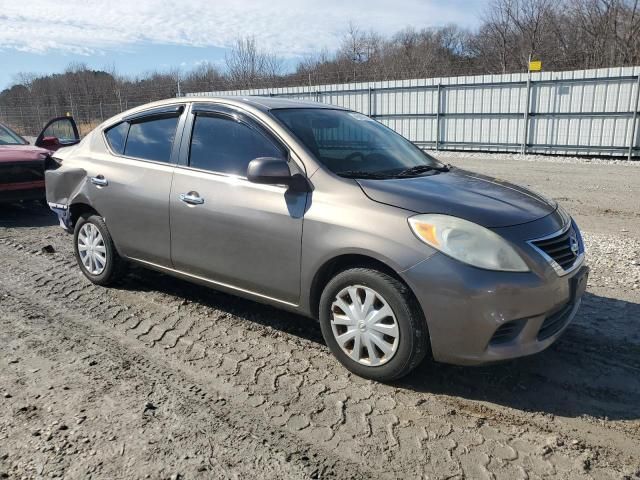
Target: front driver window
(224, 145)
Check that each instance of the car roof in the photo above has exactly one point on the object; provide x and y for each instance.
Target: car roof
(258, 102)
(271, 103)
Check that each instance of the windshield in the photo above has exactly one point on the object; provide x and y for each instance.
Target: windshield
(353, 145)
(9, 137)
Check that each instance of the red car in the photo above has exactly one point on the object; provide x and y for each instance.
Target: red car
(22, 165)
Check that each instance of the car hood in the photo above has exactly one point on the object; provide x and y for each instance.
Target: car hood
(487, 201)
(21, 153)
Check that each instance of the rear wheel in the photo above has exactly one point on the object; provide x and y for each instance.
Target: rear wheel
(95, 252)
(373, 324)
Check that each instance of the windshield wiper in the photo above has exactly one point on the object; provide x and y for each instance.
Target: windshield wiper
(363, 174)
(418, 169)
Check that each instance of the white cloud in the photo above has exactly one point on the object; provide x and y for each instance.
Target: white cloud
(286, 27)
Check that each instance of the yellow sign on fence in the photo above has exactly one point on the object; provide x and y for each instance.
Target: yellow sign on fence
(535, 66)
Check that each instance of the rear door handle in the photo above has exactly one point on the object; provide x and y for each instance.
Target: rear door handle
(192, 198)
(99, 181)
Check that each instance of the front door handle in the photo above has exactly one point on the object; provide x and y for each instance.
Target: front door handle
(192, 198)
(99, 181)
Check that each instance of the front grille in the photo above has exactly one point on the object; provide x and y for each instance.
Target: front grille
(507, 332)
(22, 172)
(555, 322)
(563, 248)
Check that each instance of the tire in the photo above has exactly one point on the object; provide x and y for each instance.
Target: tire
(403, 347)
(113, 268)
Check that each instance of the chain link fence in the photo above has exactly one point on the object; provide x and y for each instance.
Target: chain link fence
(28, 119)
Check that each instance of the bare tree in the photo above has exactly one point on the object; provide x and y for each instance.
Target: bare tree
(25, 79)
(205, 76)
(247, 65)
(531, 20)
(497, 36)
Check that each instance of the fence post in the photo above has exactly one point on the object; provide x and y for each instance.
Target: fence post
(369, 102)
(22, 120)
(438, 117)
(525, 127)
(101, 114)
(632, 141)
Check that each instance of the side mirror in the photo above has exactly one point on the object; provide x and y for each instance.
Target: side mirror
(50, 143)
(270, 171)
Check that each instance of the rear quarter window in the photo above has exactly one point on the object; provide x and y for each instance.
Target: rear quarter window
(117, 137)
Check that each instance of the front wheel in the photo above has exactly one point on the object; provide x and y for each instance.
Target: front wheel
(95, 252)
(373, 324)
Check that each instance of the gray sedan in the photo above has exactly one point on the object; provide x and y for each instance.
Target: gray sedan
(328, 213)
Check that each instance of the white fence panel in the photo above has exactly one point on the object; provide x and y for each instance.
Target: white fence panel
(581, 112)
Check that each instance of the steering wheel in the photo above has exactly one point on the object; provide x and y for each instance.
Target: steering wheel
(376, 157)
(373, 159)
(353, 156)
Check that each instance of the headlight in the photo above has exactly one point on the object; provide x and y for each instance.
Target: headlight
(468, 242)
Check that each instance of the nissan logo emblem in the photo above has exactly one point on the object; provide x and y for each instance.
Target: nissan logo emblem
(573, 241)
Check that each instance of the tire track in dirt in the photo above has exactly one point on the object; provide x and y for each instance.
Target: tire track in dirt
(299, 388)
(268, 453)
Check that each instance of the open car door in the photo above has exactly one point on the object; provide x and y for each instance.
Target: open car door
(57, 133)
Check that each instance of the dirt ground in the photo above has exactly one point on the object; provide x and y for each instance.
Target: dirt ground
(158, 378)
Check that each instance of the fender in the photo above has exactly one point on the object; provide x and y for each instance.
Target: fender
(65, 187)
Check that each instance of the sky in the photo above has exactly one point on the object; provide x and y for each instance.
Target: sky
(138, 36)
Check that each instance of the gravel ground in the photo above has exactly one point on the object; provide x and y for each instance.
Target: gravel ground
(158, 378)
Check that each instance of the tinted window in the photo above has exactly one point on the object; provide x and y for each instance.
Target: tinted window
(224, 145)
(117, 136)
(151, 140)
(351, 142)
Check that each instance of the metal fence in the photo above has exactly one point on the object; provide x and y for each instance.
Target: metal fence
(29, 118)
(581, 112)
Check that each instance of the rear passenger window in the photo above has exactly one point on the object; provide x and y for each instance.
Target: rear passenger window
(151, 140)
(227, 146)
(117, 136)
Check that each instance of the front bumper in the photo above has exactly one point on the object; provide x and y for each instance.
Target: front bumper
(466, 307)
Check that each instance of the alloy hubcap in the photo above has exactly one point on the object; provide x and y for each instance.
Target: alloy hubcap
(364, 325)
(92, 250)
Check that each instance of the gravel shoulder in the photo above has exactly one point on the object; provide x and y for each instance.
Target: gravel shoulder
(159, 378)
